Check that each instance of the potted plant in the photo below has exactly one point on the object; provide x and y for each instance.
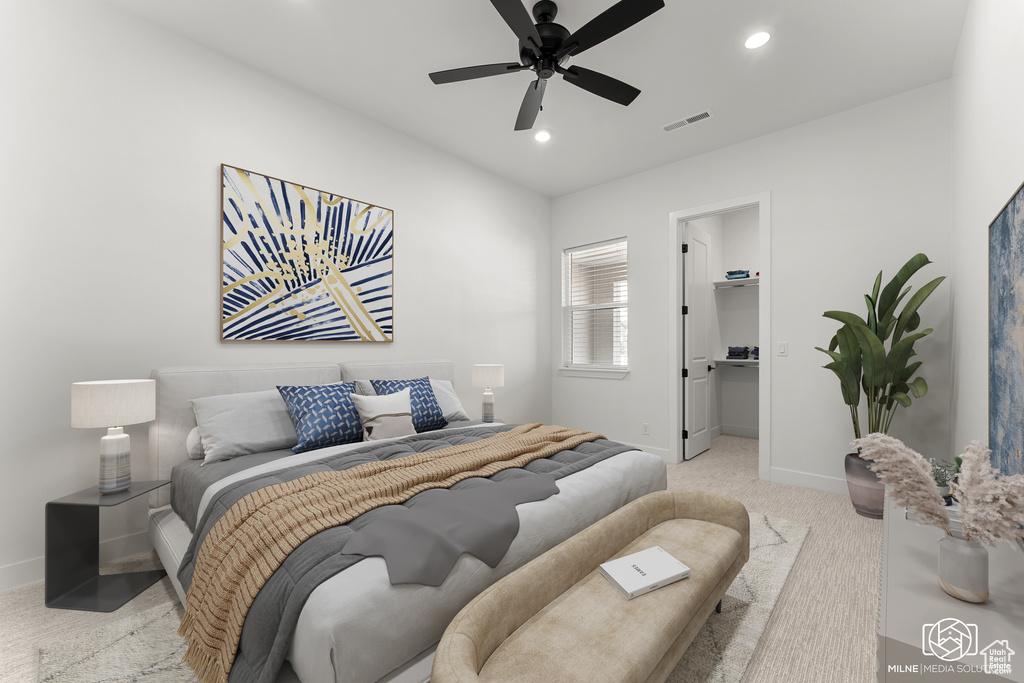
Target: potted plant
(942, 475)
(991, 508)
(871, 357)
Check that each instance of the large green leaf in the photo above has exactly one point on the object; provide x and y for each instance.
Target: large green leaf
(872, 322)
(912, 305)
(887, 322)
(846, 318)
(901, 352)
(886, 303)
(909, 371)
(901, 398)
(872, 356)
(874, 290)
(835, 355)
(849, 350)
(919, 387)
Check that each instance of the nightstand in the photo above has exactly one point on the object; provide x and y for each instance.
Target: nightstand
(73, 579)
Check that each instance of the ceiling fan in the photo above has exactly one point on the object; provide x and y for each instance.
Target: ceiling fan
(544, 48)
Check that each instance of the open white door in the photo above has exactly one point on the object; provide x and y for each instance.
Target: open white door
(697, 292)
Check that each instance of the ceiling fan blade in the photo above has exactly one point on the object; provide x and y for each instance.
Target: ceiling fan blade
(531, 104)
(470, 72)
(519, 20)
(599, 84)
(612, 21)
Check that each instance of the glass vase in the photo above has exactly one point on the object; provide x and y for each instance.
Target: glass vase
(963, 568)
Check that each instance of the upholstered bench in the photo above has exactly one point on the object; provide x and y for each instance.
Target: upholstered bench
(558, 619)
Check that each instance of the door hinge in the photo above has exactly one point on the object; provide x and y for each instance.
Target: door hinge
(686, 310)
(686, 248)
(686, 373)
(686, 434)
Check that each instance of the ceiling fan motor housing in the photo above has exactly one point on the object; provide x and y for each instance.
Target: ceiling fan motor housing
(552, 36)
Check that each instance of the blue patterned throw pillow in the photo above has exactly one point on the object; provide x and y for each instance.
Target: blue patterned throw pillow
(324, 415)
(426, 412)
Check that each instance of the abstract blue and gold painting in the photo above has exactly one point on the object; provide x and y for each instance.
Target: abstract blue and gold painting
(1006, 337)
(302, 264)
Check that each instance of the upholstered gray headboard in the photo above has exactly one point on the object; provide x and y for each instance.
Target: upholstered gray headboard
(175, 386)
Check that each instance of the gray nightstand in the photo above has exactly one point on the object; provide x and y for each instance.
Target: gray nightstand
(73, 579)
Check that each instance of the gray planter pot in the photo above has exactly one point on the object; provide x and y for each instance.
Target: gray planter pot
(867, 493)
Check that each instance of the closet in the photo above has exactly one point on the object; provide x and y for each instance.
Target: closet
(733, 320)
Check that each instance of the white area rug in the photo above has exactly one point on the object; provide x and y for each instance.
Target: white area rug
(723, 648)
(145, 648)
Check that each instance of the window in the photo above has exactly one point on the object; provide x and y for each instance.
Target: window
(595, 306)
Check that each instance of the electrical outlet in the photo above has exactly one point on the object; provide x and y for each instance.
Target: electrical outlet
(783, 348)
(645, 429)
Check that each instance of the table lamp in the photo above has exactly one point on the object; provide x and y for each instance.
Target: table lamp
(488, 376)
(113, 402)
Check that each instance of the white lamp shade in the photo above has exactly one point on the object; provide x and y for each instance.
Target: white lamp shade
(489, 375)
(113, 403)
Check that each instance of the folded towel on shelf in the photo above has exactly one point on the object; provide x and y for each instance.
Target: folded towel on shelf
(756, 352)
(737, 277)
(739, 349)
(737, 272)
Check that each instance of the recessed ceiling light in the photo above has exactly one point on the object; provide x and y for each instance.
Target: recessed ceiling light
(542, 136)
(757, 40)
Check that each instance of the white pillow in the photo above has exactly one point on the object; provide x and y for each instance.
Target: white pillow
(239, 424)
(448, 400)
(387, 416)
(194, 445)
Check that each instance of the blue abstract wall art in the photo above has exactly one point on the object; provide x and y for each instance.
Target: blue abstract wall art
(1006, 337)
(302, 264)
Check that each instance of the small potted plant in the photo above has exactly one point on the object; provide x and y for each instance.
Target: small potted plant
(991, 508)
(942, 473)
(871, 357)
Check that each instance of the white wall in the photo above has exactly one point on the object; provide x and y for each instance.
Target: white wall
(112, 134)
(850, 194)
(988, 166)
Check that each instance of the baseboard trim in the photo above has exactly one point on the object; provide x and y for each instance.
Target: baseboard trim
(738, 430)
(31, 571)
(660, 452)
(818, 482)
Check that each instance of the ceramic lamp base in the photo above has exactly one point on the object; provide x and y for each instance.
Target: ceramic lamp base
(487, 411)
(115, 461)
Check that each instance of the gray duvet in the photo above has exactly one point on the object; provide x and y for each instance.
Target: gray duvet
(271, 621)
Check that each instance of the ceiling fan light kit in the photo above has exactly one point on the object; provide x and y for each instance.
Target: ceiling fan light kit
(545, 47)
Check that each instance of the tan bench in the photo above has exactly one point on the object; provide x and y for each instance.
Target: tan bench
(558, 619)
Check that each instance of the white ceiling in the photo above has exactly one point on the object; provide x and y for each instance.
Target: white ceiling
(373, 57)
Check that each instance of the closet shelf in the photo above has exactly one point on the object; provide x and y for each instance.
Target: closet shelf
(742, 282)
(737, 362)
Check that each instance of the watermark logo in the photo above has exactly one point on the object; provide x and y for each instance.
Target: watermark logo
(949, 639)
(997, 657)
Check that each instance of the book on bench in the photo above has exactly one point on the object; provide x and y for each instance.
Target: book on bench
(644, 571)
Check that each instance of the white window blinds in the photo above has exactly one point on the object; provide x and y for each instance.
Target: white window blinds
(595, 305)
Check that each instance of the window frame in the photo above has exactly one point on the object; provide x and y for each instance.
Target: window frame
(567, 367)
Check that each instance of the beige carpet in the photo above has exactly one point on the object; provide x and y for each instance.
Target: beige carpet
(821, 630)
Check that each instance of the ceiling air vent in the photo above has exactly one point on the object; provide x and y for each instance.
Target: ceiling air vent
(693, 118)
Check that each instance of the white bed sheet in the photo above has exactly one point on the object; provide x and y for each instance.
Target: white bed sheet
(358, 628)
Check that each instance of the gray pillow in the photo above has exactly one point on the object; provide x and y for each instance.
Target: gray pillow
(240, 424)
(449, 401)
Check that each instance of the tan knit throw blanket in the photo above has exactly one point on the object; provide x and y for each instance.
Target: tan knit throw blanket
(255, 536)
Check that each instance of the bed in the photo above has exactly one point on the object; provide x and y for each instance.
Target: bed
(356, 627)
